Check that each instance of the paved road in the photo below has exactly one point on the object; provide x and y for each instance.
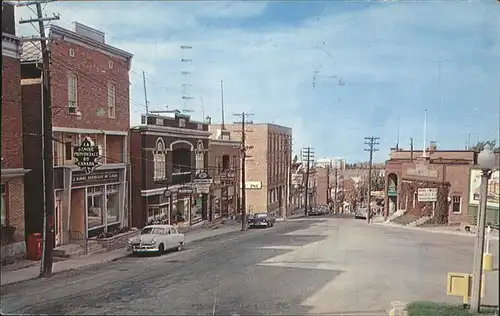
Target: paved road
(320, 265)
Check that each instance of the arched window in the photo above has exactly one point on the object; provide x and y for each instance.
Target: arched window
(200, 153)
(160, 160)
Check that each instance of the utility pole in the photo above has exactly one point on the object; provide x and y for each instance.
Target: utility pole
(288, 177)
(145, 94)
(48, 159)
(243, 151)
(371, 142)
(309, 154)
(335, 206)
(328, 185)
(411, 149)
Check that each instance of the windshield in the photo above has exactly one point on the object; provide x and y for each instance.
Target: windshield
(147, 231)
(260, 215)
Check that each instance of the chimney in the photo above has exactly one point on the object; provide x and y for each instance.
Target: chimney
(433, 146)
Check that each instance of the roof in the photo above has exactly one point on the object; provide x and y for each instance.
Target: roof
(31, 52)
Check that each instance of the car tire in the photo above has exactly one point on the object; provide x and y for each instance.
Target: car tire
(180, 246)
(161, 249)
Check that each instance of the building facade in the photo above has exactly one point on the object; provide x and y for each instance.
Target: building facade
(267, 167)
(13, 170)
(168, 155)
(444, 173)
(224, 162)
(90, 100)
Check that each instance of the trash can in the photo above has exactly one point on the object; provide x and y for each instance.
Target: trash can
(35, 246)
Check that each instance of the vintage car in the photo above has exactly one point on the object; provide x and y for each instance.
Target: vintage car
(157, 238)
(261, 220)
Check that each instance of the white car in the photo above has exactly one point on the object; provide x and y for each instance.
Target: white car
(157, 238)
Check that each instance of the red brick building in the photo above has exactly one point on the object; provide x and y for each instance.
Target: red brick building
(90, 100)
(224, 162)
(446, 171)
(323, 185)
(13, 171)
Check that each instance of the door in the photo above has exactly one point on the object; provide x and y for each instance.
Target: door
(58, 217)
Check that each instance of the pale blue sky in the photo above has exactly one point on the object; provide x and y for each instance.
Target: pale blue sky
(334, 71)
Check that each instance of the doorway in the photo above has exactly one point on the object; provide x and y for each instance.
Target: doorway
(58, 216)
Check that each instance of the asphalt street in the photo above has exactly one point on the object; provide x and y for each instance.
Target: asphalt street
(336, 266)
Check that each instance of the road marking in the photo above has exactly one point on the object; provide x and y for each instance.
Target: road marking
(277, 247)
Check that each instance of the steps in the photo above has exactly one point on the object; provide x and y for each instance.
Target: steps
(397, 214)
(419, 222)
(74, 250)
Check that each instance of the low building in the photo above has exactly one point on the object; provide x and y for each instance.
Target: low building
(90, 101)
(436, 184)
(13, 170)
(169, 157)
(224, 159)
(267, 167)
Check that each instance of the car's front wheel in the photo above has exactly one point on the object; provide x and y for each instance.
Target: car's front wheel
(161, 249)
(180, 246)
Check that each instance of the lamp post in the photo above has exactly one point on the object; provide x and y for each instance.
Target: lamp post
(486, 162)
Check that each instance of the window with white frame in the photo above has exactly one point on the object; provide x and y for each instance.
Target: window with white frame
(159, 160)
(111, 100)
(200, 153)
(456, 204)
(182, 123)
(72, 93)
(3, 206)
(112, 204)
(95, 207)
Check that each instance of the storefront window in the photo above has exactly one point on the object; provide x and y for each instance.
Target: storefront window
(196, 210)
(182, 214)
(113, 204)
(158, 215)
(3, 206)
(95, 203)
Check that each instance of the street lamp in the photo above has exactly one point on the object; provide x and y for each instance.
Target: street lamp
(486, 162)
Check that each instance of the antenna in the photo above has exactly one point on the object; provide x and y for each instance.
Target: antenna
(424, 153)
(186, 75)
(202, 107)
(222, 104)
(397, 140)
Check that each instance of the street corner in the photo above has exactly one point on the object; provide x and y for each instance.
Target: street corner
(397, 308)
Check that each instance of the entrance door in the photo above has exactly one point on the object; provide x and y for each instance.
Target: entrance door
(58, 218)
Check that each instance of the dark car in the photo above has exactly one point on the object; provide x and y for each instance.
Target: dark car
(261, 220)
(318, 211)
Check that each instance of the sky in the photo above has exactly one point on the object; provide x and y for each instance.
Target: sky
(334, 71)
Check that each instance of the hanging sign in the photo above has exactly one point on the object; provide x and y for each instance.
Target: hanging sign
(87, 155)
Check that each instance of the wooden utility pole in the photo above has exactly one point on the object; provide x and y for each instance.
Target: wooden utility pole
(411, 148)
(309, 155)
(328, 185)
(145, 95)
(47, 156)
(243, 152)
(370, 142)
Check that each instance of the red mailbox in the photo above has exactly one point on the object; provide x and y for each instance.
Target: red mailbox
(35, 246)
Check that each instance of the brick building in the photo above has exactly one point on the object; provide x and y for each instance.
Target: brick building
(323, 185)
(13, 171)
(90, 100)
(267, 168)
(224, 162)
(447, 171)
(167, 154)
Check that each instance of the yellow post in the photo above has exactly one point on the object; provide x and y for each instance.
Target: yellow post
(487, 262)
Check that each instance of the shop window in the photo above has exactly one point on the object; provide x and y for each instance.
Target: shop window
(456, 206)
(95, 203)
(3, 206)
(113, 204)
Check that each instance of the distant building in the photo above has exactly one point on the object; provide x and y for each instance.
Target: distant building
(334, 163)
(267, 168)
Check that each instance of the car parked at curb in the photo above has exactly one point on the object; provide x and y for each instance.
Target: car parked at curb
(157, 238)
(261, 220)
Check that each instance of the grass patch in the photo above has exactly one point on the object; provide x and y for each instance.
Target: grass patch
(442, 309)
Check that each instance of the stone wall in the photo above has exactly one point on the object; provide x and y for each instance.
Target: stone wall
(118, 241)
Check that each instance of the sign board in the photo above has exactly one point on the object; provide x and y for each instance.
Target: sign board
(493, 200)
(427, 194)
(202, 188)
(202, 178)
(87, 155)
(460, 284)
(167, 193)
(185, 191)
(297, 178)
(392, 190)
(227, 176)
(78, 179)
(422, 170)
(253, 185)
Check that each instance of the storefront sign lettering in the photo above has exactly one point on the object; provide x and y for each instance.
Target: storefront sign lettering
(227, 176)
(95, 177)
(185, 191)
(87, 155)
(202, 177)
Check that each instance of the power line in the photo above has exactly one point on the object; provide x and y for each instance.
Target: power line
(308, 154)
(243, 149)
(47, 150)
(371, 142)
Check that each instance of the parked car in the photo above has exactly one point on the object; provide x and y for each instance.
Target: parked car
(361, 213)
(261, 220)
(318, 211)
(157, 238)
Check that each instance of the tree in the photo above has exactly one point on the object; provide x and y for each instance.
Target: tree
(480, 146)
(351, 192)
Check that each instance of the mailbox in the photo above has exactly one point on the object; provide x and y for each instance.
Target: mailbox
(35, 246)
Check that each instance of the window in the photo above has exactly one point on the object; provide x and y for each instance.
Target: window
(72, 93)
(111, 100)
(225, 162)
(68, 151)
(200, 127)
(110, 64)
(218, 164)
(71, 52)
(159, 160)
(95, 204)
(3, 206)
(182, 123)
(159, 121)
(456, 204)
(112, 204)
(200, 159)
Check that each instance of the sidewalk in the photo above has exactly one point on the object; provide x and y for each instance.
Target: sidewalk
(294, 214)
(10, 276)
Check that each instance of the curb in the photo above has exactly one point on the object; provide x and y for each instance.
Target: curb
(397, 308)
(444, 232)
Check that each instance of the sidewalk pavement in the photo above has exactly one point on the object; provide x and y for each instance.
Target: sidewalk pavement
(9, 276)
